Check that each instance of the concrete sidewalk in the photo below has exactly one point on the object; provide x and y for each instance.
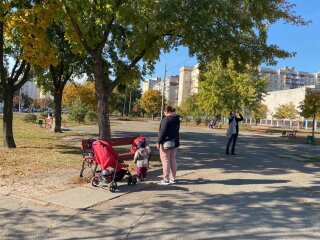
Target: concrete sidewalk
(81, 198)
(264, 192)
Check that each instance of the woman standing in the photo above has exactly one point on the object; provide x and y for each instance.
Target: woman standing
(168, 141)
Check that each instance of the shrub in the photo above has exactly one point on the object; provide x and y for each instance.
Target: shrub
(197, 120)
(78, 111)
(206, 121)
(92, 116)
(30, 118)
(44, 114)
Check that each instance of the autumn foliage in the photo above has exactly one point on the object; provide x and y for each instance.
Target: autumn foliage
(151, 101)
(85, 92)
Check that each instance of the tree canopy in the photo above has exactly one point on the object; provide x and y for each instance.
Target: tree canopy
(125, 38)
(223, 89)
(285, 111)
(310, 106)
(83, 93)
(151, 102)
(259, 111)
(189, 107)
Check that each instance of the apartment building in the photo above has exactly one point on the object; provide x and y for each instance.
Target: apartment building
(171, 90)
(171, 87)
(184, 84)
(150, 84)
(30, 89)
(195, 80)
(158, 86)
(177, 88)
(288, 78)
(188, 82)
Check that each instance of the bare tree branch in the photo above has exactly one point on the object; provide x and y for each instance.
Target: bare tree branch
(24, 79)
(107, 30)
(139, 57)
(78, 30)
(18, 73)
(15, 66)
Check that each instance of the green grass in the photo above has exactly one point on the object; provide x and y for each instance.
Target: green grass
(38, 150)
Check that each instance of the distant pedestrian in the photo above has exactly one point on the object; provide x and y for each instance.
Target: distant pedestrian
(233, 131)
(167, 143)
(213, 122)
(141, 159)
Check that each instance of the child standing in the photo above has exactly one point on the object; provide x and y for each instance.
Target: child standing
(141, 159)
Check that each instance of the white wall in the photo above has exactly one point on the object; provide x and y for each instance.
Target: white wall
(276, 98)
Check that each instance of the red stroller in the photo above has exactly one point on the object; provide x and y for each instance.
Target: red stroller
(113, 170)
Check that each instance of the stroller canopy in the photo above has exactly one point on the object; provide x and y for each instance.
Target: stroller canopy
(105, 155)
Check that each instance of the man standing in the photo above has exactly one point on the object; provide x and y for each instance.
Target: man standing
(233, 131)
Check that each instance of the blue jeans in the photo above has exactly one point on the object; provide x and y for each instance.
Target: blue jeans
(233, 139)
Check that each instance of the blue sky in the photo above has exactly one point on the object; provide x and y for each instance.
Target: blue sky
(304, 40)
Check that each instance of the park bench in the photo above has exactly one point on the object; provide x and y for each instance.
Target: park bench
(292, 134)
(88, 155)
(289, 133)
(262, 129)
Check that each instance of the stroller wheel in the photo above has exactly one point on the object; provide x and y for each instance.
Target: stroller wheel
(113, 186)
(134, 181)
(130, 180)
(95, 181)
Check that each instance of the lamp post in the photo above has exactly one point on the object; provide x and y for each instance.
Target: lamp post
(129, 104)
(163, 86)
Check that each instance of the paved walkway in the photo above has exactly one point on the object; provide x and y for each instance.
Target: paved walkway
(264, 192)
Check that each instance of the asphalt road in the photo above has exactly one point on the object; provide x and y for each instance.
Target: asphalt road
(266, 191)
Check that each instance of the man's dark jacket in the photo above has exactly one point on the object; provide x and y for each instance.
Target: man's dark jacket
(237, 121)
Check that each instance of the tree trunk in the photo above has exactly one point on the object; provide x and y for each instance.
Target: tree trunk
(8, 140)
(102, 99)
(57, 110)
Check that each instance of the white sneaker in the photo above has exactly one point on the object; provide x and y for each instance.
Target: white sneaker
(172, 181)
(164, 182)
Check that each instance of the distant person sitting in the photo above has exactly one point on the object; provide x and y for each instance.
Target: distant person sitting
(213, 122)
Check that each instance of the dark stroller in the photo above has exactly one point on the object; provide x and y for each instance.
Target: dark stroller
(113, 170)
